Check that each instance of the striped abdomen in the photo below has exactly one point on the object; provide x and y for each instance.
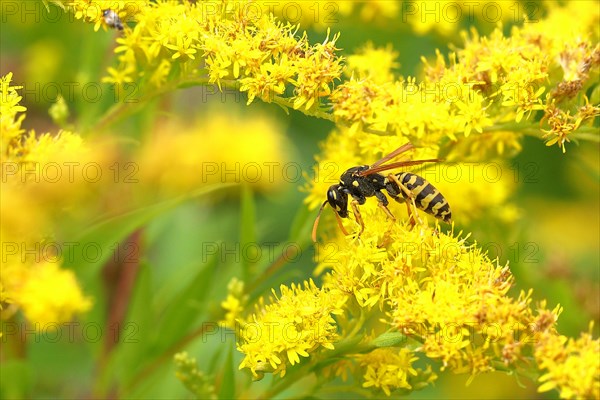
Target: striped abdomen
(427, 197)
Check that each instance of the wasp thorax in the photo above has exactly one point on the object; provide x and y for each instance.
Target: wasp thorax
(353, 172)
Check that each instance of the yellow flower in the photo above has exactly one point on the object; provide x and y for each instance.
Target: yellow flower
(219, 149)
(378, 64)
(10, 123)
(474, 114)
(269, 82)
(572, 365)
(388, 369)
(234, 303)
(43, 179)
(118, 76)
(298, 322)
(50, 295)
(183, 48)
(218, 68)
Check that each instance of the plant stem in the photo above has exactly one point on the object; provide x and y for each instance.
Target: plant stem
(121, 110)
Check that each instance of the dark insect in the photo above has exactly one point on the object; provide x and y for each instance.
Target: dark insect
(366, 181)
(112, 19)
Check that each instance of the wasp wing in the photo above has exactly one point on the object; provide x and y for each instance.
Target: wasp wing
(405, 147)
(398, 164)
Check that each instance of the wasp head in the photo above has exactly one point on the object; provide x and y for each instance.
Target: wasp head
(338, 200)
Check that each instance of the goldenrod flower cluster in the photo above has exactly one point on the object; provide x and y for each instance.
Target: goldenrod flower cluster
(392, 369)
(436, 288)
(440, 291)
(571, 364)
(32, 278)
(298, 322)
(234, 303)
(202, 152)
(222, 43)
(486, 88)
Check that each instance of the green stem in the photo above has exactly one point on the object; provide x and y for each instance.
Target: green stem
(121, 110)
(589, 133)
(349, 345)
(582, 133)
(528, 374)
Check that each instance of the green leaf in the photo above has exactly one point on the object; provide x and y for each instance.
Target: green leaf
(227, 389)
(181, 313)
(302, 224)
(595, 96)
(273, 271)
(133, 336)
(16, 379)
(389, 339)
(137, 328)
(103, 237)
(284, 108)
(247, 226)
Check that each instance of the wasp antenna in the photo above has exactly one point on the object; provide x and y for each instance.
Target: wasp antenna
(316, 224)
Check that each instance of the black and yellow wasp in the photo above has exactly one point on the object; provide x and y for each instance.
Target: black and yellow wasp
(366, 181)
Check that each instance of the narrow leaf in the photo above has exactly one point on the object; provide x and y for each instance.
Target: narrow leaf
(302, 224)
(135, 332)
(182, 311)
(247, 227)
(389, 339)
(227, 389)
(95, 245)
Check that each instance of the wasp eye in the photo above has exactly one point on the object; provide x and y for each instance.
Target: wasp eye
(333, 194)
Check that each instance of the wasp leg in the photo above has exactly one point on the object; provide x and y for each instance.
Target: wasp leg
(383, 202)
(412, 211)
(358, 217)
(387, 211)
(339, 221)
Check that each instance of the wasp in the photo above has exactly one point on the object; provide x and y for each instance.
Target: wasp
(111, 18)
(364, 181)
